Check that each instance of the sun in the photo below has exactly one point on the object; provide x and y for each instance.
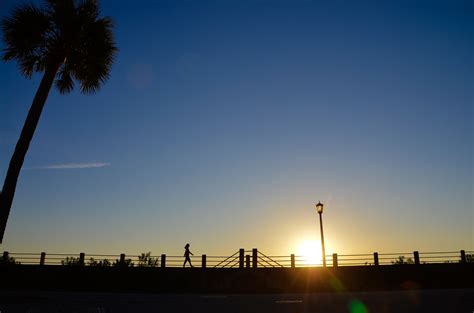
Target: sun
(309, 253)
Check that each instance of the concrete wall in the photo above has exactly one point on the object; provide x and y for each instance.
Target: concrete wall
(260, 280)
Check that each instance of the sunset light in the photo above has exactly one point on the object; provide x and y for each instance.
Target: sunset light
(309, 253)
(213, 156)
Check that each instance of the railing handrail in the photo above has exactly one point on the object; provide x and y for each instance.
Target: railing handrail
(259, 252)
(232, 261)
(227, 259)
(258, 258)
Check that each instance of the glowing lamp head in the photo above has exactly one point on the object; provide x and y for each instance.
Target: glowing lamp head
(319, 207)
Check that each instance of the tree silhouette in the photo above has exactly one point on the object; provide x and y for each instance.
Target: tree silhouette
(67, 41)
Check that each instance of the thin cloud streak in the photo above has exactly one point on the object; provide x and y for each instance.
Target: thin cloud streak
(69, 166)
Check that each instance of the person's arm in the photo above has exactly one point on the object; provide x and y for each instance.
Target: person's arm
(191, 253)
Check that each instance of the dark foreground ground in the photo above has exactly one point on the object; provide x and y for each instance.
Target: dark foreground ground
(441, 300)
(237, 280)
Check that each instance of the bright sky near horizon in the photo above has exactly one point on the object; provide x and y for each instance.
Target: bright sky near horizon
(224, 122)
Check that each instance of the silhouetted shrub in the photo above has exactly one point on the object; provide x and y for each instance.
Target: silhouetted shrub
(71, 261)
(103, 263)
(126, 263)
(401, 260)
(146, 260)
(470, 258)
(8, 261)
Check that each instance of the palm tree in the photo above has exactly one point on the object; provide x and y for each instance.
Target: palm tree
(68, 41)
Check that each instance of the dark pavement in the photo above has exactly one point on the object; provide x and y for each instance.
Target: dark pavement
(445, 301)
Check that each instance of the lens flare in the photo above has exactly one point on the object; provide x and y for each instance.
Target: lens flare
(357, 306)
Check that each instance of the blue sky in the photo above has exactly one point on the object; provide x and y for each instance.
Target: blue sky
(223, 123)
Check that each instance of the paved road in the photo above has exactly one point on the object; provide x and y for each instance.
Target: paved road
(443, 301)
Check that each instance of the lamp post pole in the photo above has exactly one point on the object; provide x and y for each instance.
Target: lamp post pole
(319, 208)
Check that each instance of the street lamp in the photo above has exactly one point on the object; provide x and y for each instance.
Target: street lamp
(319, 208)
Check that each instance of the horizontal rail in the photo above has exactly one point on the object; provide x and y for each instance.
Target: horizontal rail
(238, 259)
(363, 254)
(398, 253)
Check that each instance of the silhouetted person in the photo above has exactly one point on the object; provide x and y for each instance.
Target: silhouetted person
(186, 255)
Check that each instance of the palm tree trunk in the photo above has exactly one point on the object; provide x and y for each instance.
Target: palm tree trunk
(16, 162)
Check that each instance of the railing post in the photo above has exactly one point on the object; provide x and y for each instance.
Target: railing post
(292, 262)
(376, 259)
(43, 258)
(417, 257)
(247, 261)
(122, 259)
(203, 261)
(334, 260)
(163, 260)
(241, 258)
(81, 258)
(254, 258)
(5, 257)
(463, 256)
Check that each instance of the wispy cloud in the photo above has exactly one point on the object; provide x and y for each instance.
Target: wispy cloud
(69, 166)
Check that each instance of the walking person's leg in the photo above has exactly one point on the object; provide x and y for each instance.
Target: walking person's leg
(187, 260)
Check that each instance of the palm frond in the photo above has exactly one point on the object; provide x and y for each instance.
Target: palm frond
(64, 83)
(60, 10)
(93, 58)
(65, 31)
(28, 65)
(25, 35)
(89, 9)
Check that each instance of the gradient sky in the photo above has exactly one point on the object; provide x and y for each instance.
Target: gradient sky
(224, 122)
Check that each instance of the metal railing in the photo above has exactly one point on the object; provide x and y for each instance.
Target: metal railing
(240, 259)
(230, 261)
(267, 261)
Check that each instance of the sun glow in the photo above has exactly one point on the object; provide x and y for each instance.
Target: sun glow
(309, 253)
